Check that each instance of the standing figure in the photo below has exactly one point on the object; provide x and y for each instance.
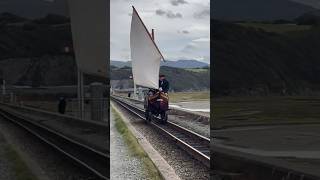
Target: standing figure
(62, 105)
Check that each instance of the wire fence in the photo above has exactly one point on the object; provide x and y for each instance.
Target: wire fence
(94, 108)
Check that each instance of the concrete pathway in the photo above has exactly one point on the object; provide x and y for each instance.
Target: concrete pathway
(297, 146)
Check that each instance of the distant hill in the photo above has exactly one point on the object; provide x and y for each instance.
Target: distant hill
(313, 3)
(185, 64)
(20, 37)
(176, 64)
(250, 61)
(258, 9)
(34, 8)
(180, 79)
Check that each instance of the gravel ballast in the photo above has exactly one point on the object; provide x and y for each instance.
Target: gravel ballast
(47, 162)
(187, 120)
(185, 166)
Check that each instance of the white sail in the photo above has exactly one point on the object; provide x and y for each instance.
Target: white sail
(145, 54)
(89, 24)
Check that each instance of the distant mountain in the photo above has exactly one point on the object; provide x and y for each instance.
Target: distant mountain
(184, 64)
(175, 64)
(120, 64)
(259, 9)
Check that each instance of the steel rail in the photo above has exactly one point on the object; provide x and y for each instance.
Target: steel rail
(193, 143)
(95, 161)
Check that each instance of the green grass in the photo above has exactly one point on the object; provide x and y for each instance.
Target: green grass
(277, 28)
(135, 148)
(233, 111)
(197, 69)
(21, 170)
(189, 96)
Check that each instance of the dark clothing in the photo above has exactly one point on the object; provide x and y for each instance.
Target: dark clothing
(164, 84)
(62, 106)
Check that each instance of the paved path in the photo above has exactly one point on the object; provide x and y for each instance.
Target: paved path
(194, 106)
(297, 145)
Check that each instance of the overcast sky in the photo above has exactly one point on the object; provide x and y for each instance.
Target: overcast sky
(182, 27)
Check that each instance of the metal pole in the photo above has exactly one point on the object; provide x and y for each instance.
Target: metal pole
(152, 34)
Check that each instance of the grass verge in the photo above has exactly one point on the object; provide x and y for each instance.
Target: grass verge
(265, 110)
(21, 170)
(135, 148)
(189, 96)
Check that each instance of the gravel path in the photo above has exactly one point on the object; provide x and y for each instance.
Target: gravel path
(6, 171)
(124, 166)
(51, 163)
(185, 166)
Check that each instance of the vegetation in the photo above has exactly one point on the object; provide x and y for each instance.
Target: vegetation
(16, 35)
(251, 61)
(189, 96)
(179, 79)
(197, 69)
(21, 170)
(277, 28)
(135, 148)
(244, 111)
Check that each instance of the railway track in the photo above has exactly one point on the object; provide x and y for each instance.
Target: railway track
(95, 161)
(196, 145)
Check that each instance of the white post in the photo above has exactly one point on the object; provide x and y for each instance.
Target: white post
(80, 95)
(3, 87)
(134, 90)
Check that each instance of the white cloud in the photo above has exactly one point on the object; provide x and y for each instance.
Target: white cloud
(202, 39)
(178, 2)
(169, 14)
(171, 35)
